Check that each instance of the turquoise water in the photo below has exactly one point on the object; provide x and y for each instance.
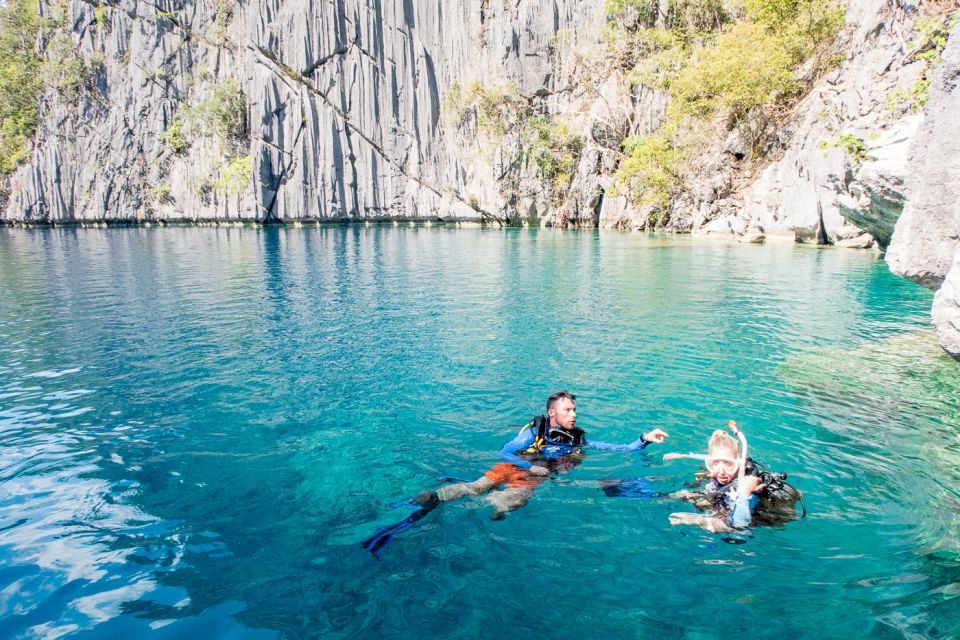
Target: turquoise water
(198, 426)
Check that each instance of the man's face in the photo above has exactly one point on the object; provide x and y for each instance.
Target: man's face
(563, 414)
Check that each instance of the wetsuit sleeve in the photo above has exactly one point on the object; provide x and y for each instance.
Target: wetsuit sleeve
(742, 512)
(607, 446)
(509, 452)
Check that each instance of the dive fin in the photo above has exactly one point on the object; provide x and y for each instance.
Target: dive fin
(383, 536)
(632, 488)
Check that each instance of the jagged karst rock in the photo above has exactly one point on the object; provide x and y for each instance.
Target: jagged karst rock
(351, 115)
(926, 241)
(816, 192)
(620, 110)
(345, 113)
(875, 196)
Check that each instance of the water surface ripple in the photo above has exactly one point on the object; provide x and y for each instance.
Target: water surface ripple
(198, 426)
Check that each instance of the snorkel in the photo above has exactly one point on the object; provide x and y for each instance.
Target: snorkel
(732, 425)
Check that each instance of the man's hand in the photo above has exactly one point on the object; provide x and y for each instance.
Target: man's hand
(672, 455)
(656, 435)
(537, 470)
(751, 485)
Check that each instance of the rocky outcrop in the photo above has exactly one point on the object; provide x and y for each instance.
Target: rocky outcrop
(946, 311)
(926, 241)
(618, 110)
(840, 175)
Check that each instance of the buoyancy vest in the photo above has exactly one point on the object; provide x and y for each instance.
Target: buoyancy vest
(777, 499)
(545, 436)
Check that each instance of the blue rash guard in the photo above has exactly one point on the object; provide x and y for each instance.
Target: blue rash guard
(551, 449)
(738, 508)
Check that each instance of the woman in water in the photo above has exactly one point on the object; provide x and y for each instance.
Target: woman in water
(729, 495)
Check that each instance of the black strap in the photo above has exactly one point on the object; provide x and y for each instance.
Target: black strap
(541, 427)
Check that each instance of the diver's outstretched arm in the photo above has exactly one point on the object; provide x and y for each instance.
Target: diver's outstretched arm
(691, 456)
(656, 436)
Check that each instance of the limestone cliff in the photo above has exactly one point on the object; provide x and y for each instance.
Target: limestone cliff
(349, 111)
(343, 115)
(839, 178)
(926, 241)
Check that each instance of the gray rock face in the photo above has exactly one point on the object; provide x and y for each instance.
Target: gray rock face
(628, 111)
(926, 237)
(946, 311)
(926, 241)
(355, 110)
(819, 191)
(103, 155)
(345, 119)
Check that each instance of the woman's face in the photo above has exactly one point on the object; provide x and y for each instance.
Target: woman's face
(723, 464)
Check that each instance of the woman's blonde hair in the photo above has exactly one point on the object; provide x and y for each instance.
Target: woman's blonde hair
(720, 439)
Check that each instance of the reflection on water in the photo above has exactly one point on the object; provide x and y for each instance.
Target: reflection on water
(198, 426)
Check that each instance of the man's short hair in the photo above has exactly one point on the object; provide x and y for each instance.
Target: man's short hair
(557, 397)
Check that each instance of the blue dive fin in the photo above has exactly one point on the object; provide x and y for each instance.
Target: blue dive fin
(632, 488)
(383, 536)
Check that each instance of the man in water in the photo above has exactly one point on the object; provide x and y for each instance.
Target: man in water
(548, 443)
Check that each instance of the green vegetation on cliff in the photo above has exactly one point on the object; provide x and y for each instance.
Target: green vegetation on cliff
(234, 176)
(722, 67)
(927, 49)
(223, 114)
(500, 111)
(651, 162)
(36, 54)
(854, 146)
(20, 80)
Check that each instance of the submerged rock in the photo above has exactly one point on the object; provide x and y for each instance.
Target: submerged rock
(911, 364)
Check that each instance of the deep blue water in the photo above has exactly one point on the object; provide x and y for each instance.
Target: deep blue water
(198, 426)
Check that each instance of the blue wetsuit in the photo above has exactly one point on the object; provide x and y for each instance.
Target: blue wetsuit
(552, 448)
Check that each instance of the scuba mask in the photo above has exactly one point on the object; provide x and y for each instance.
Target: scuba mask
(717, 464)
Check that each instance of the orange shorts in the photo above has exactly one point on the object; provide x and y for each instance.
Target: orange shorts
(513, 475)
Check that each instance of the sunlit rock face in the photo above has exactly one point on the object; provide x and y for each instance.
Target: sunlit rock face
(350, 112)
(946, 311)
(815, 191)
(926, 242)
(345, 111)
